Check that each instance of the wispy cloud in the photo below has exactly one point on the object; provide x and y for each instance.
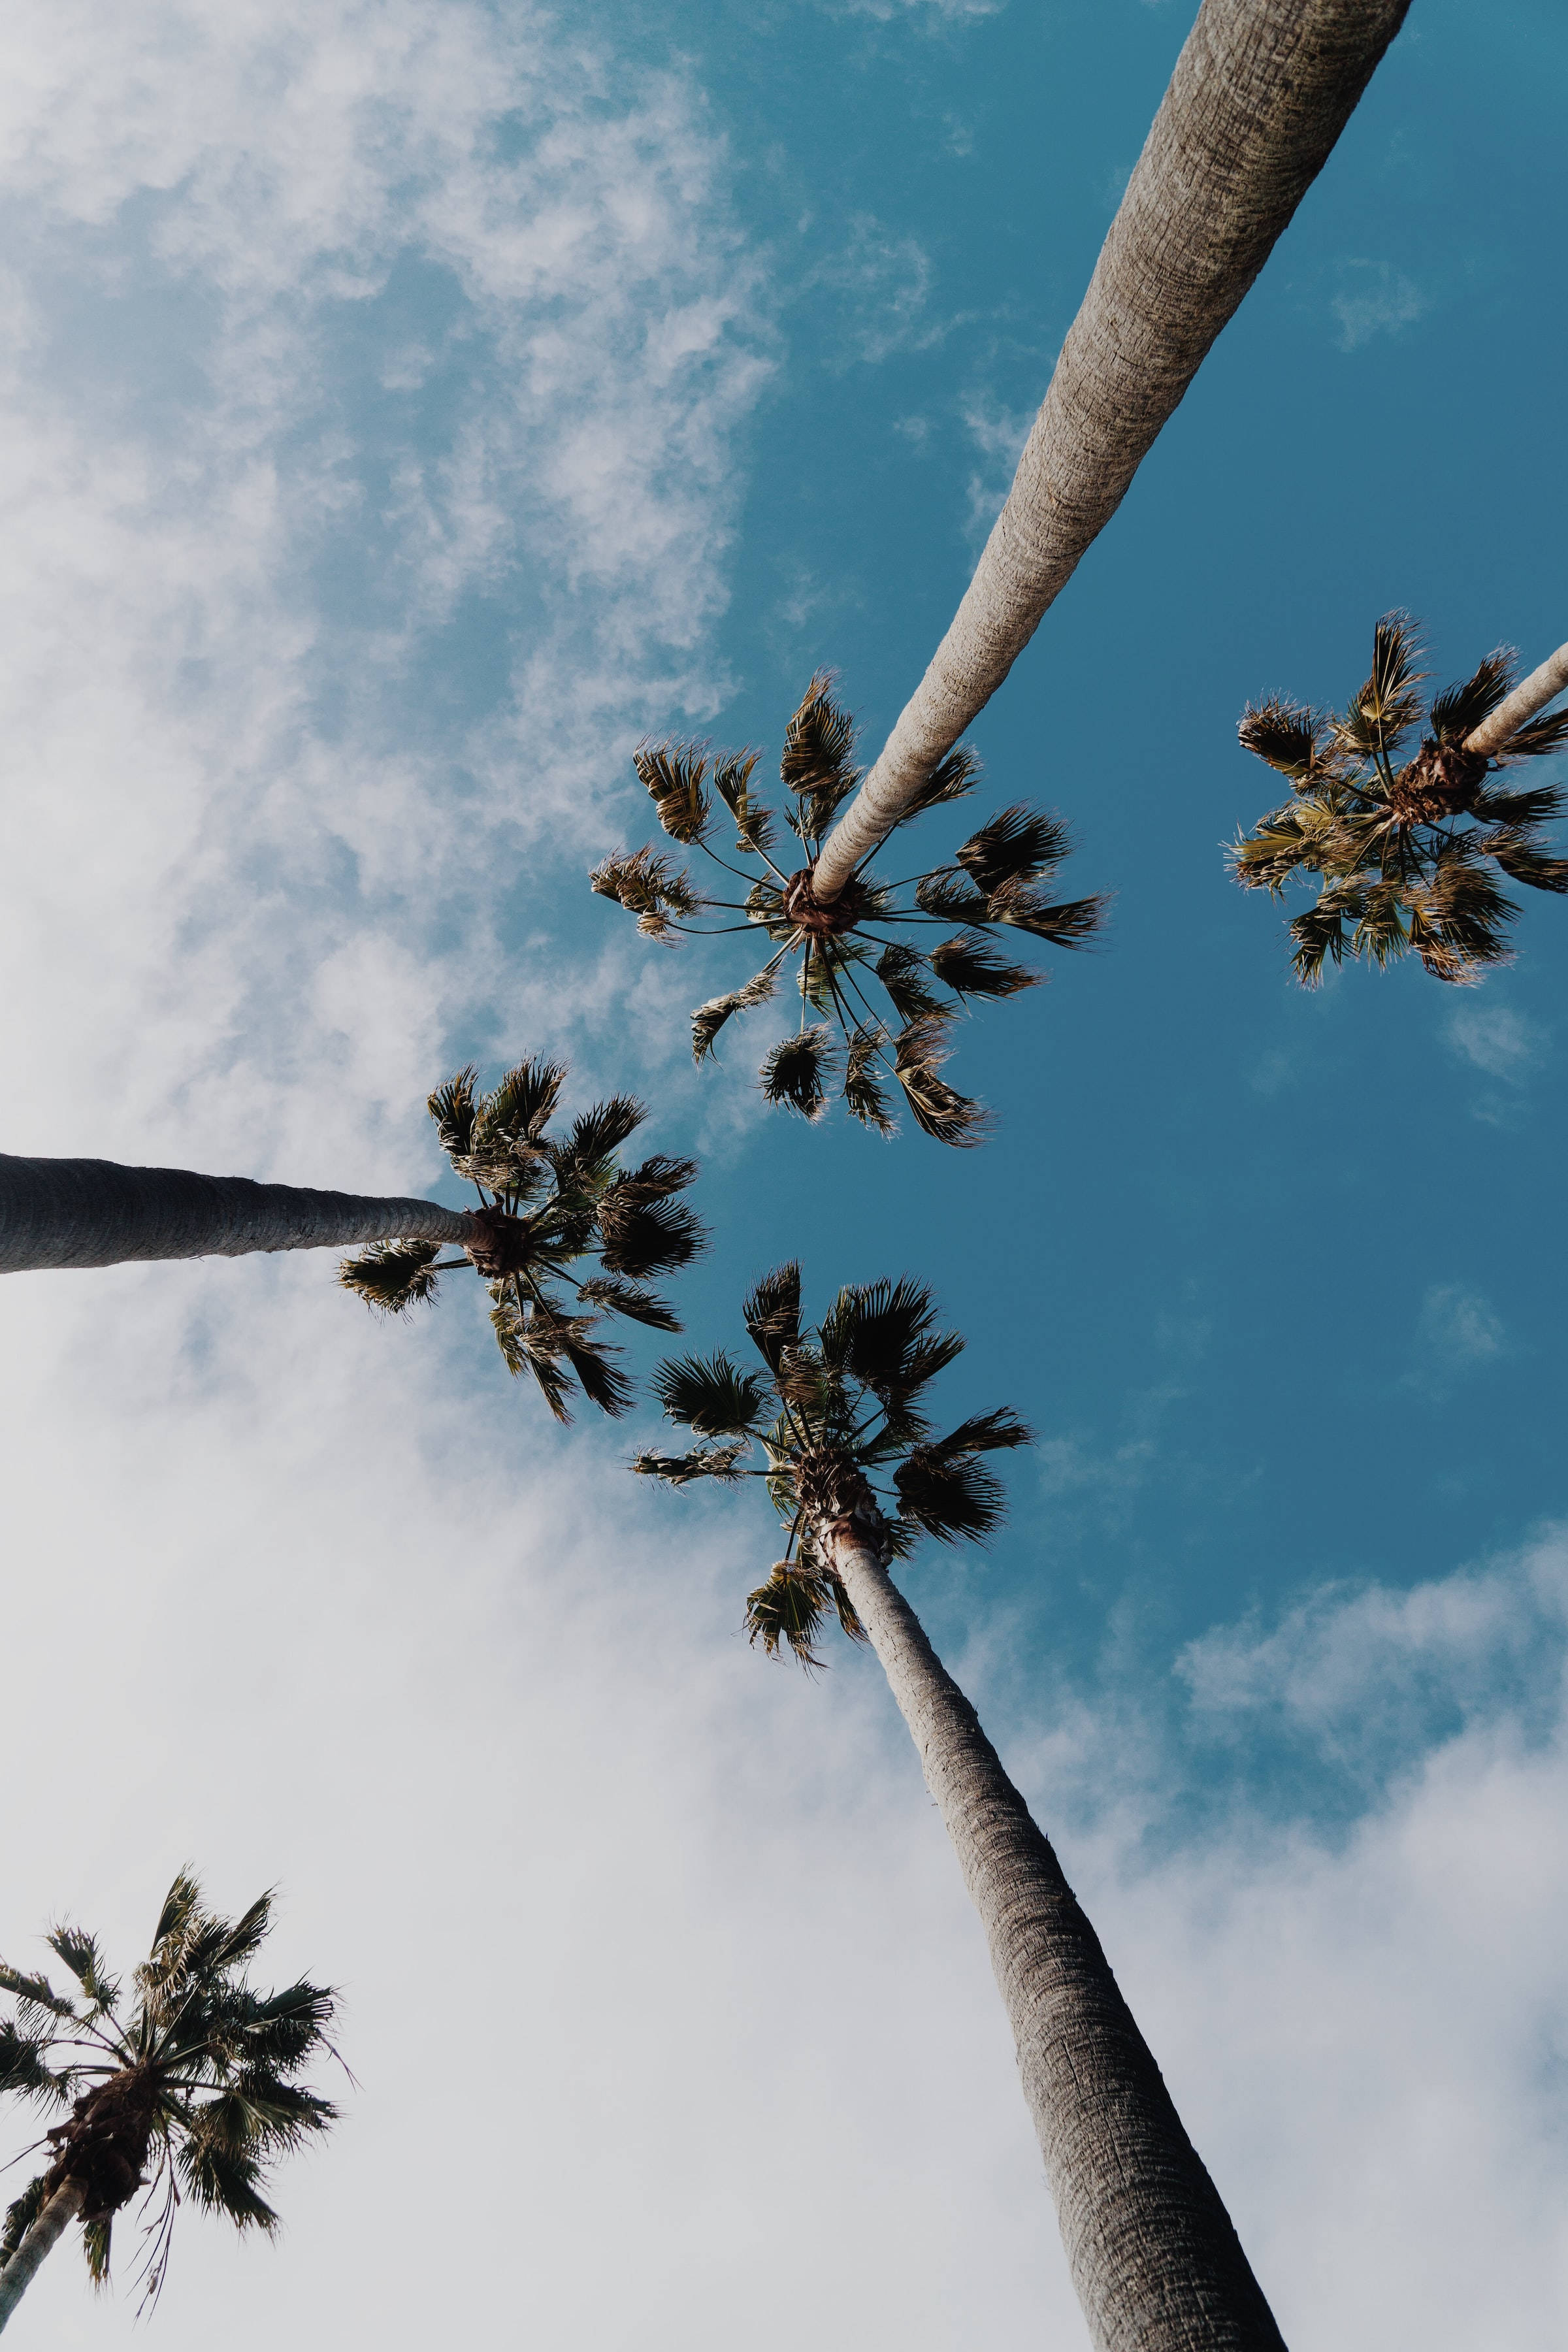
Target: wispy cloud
(1375, 299)
(1506, 1044)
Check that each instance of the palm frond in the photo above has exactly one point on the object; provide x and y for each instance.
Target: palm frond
(816, 767)
(1459, 710)
(1523, 860)
(1070, 923)
(951, 779)
(34, 1993)
(23, 2071)
(984, 1433)
(598, 1133)
(221, 2180)
(710, 1018)
(452, 1108)
(647, 884)
(1387, 706)
(798, 1068)
(630, 1299)
(772, 1314)
(709, 1395)
(1495, 806)
(21, 2214)
(522, 1107)
(970, 966)
(80, 1954)
(1537, 736)
(949, 1495)
(899, 969)
(865, 1096)
(720, 1462)
(1014, 846)
(948, 891)
(874, 1331)
(733, 782)
(526, 1347)
(674, 774)
(1288, 735)
(599, 1377)
(788, 1610)
(392, 1276)
(939, 1110)
(643, 1231)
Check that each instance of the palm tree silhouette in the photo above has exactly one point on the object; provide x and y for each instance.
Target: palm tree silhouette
(1261, 92)
(835, 1425)
(186, 2086)
(547, 1204)
(882, 994)
(1405, 851)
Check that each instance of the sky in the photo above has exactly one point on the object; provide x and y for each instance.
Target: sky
(407, 408)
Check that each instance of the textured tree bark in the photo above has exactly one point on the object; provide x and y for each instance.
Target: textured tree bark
(1154, 2257)
(51, 2224)
(1261, 92)
(1530, 695)
(78, 1212)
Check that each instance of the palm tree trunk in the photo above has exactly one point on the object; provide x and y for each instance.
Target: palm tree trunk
(1530, 695)
(1261, 92)
(1154, 2257)
(69, 1213)
(50, 2226)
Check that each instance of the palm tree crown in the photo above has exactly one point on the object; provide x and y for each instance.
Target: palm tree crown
(837, 1415)
(547, 1204)
(187, 2085)
(1405, 851)
(849, 965)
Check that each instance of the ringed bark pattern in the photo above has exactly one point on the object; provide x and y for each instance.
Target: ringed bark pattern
(83, 1213)
(1154, 2256)
(1260, 93)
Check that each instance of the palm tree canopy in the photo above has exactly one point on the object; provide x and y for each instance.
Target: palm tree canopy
(1261, 91)
(184, 2084)
(838, 1416)
(882, 973)
(548, 1204)
(1406, 850)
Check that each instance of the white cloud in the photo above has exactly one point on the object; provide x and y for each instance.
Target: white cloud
(884, 281)
(1375, 299)
(1458, 1332)
(999, 434)
(1506, 1044)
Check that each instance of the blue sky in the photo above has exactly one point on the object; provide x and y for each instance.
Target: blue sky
(407, 407)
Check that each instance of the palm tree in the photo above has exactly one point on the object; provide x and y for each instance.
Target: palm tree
(1406, 852)
(837, 1416)
(876, 991)
(1260, 93)
(189, 2085)
(546, 1204)
(86, 1212)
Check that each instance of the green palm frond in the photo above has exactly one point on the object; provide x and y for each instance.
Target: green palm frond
(80, 1954)
(797, 1070)
(970, 966)
(709, 1395)
(642, 1229)
(599, 1134)
(392, 1276)
(790, 1609)
(23, 2071)
(1018, 844)
(522, 1107)
(1378, 717)
(21, 2214)
(631, 1299)
(36, 1996)
(880, 1333)
(1536, 737)
(675, 775)
(710, 1018)
(1288, 735)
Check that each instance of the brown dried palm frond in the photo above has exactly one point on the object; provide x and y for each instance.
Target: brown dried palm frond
(866, 976)
(1404, 853)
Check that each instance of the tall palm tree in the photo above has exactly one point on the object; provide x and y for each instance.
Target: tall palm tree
(87, 1213)
(835, 1425)
(188, 2085)
(1260, 93)
(547, 1204)
(1405, 852)
(883, 994)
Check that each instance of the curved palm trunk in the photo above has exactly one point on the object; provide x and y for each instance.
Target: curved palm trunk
(1155, 2258)
(1261, 92)
(1530, 695)
(50, 2226)
(70, 1213)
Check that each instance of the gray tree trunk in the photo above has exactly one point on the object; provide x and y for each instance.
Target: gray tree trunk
(1261, 92)
(50, 2226)
(1154, 2257)
(70, 1213)
(1530, 695)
